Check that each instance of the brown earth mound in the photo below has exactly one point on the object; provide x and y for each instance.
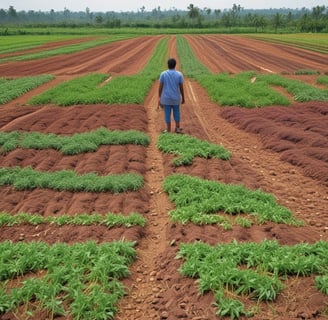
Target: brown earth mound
(299, 133)
(156, 289)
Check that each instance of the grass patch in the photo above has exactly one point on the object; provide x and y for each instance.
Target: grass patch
(14, 88)
(186, 148)
(190, 65)
(80, 280)
(70, 145)
(68, 49)
(301, 91)
(198, 201)
(67, 180)
(222, 89)
(323, 80)
(306, 72)
(239, 90)
(119, 90)
(16, 43)
(250, 269)
(110, 219)
(309, 41)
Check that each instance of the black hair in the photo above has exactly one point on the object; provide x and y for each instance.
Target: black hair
(171, 63)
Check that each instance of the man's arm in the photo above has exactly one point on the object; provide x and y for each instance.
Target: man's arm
(160, 89)
(182, 93)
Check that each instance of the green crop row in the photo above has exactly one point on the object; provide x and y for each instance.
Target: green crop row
(81, 280)
(254, 90)
(323, 80)
(120, 89)
(13, 88)
(301, 91)
(68, 180)
(24, 42)
(68, 49)
(314, 42)
(69, 145)
(186, 148)
(198, 201)
(190, 65)
(110, 219)
(251, 269)
(222, 88)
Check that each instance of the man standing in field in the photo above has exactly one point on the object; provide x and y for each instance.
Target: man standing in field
(170, 90)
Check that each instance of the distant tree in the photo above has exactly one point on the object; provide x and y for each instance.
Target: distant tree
(208, 11)
(66, 13)
(305, 22)
(87, 12)
(318, 17)
(277, 21)
(12, 12)
(318, 12)
(217, 12)
(236, 9)
(226, 20)
(3, 14)
(99, 19)
(193, 12)
(258, 21)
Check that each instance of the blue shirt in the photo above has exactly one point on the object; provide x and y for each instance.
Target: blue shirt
(171, 80)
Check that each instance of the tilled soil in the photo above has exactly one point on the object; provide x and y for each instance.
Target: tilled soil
(280, 150)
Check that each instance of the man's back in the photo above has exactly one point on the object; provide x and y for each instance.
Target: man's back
(171, 80)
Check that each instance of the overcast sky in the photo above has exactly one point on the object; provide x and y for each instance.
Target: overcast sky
(132, 5)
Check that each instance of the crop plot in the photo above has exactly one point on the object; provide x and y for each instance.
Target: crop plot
(73, 275)
(186, 148)
(70, 145)
(239, 169)
(251, 269)
(13, 88)
(198, 200)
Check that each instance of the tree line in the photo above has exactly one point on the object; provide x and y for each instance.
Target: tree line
(259, 20)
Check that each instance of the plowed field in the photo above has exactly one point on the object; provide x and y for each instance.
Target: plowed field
(280, 150)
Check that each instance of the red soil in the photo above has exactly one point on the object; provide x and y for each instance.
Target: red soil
(46, 46)
(280, 150)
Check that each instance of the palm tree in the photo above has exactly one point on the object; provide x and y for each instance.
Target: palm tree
(193, 13)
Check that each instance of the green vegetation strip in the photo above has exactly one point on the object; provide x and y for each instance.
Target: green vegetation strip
(80, 280)
(314, 41)
(69, 145)
(110, 219)
(254, 90)
(198, 201)
(68, 180)
(187, 148)
(65, 49)
(190, 65)
(323, 80)
(91, 89)
(18, 43)
(251, 269)
(13, 88)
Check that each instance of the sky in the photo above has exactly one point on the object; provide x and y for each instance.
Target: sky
(135, 5)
